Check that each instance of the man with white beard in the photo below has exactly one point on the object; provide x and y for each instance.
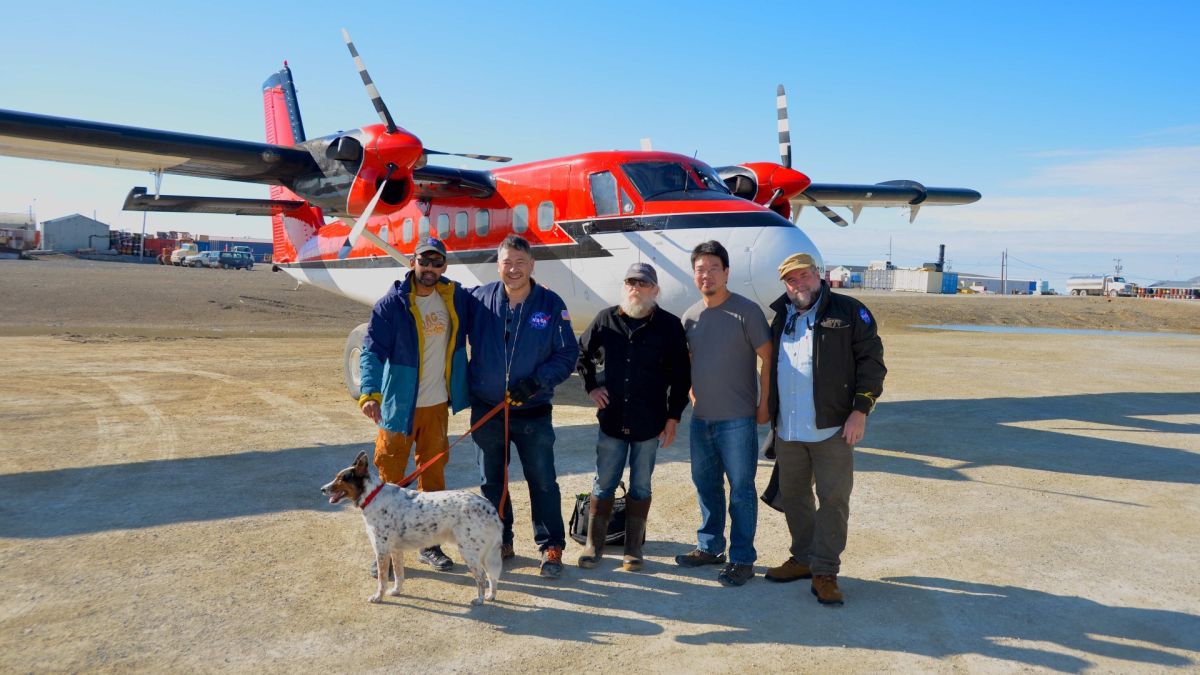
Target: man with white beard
(634, 362)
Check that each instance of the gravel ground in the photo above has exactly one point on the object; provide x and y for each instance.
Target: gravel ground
(1022, 502)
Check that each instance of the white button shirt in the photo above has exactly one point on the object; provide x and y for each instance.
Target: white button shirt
(797, 413)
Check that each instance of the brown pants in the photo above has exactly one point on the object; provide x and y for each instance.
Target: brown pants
(429, 434)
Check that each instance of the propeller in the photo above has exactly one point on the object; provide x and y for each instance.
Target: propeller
(360, 223)
(381, 107)
(785, 157)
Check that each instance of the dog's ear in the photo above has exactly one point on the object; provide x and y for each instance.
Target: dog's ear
(360, 464)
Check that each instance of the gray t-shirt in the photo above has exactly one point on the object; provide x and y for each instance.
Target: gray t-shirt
(724, 366)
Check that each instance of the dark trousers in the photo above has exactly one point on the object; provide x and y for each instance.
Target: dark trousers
(534, 439)
(818, 533)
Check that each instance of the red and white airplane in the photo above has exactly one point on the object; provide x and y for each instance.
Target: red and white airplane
(588, 216)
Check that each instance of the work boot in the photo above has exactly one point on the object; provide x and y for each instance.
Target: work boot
(699, 557)
(599, 513)
(790, 570)
(435, 558)
(825, 587)
(507, 551)
(636, 511)
(551, 562)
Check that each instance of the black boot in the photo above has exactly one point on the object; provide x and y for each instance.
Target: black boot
(636, 511)
(599, 513)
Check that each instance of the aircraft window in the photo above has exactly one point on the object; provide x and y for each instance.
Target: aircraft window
(408, 230)
(545, 216)
(483, 221)
(626, 202)
(443, 225)
(710, 178)
(383, 232)
(423, 227)
(604, 193)
(460, 224)
(652, 179)
(520, 218)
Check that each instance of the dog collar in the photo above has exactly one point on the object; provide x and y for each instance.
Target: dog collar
(371, 496)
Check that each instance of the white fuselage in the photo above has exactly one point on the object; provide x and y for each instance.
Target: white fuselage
(588, 285)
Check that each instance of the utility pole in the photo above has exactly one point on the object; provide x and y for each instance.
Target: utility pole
(1004, 272)
(1117, 267)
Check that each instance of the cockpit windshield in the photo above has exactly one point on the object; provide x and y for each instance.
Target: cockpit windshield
(666, 179)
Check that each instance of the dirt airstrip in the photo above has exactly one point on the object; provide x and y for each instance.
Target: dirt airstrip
(1021, 501)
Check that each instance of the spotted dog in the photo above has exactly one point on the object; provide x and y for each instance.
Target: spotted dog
(399, 520)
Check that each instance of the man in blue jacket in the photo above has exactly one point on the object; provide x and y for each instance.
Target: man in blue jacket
(522, 347)
(414, 365)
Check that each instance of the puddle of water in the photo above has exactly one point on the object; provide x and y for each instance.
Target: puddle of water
(1039, 330)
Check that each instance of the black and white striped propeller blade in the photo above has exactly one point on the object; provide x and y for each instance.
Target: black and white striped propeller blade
(785, 134)
(486, 158)
(372, 91)
(361, 222)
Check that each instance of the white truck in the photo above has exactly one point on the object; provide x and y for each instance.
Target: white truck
(1109, 285)
(186, 248)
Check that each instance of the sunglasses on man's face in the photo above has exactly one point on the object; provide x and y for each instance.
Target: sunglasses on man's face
(431, 262)
(638, 283)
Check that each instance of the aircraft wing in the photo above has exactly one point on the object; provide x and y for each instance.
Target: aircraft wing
(140, 200)
(889, 193)
(113, 145)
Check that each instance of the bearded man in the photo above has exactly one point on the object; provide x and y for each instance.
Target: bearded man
(634, 363)
(824, 383)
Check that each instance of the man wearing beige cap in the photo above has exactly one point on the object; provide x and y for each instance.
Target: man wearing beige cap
(824, 381)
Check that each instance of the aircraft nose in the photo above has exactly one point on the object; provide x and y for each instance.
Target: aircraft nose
(772, 245)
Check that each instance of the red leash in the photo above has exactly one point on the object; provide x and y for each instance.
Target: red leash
(407, 480)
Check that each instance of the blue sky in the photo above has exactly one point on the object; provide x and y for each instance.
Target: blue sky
(1078, 121)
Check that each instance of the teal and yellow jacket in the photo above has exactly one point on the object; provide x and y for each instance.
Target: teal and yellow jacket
(391, 355)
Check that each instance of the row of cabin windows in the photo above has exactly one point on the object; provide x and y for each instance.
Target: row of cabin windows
(483, 222)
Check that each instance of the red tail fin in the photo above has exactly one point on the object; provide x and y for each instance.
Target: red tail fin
(289, 229)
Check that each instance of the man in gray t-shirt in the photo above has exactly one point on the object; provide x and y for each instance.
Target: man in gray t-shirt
(726, 334)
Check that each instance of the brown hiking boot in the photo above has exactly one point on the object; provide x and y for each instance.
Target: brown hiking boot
(790, 570)
(825, 587)
(506, 550)
(552, 566)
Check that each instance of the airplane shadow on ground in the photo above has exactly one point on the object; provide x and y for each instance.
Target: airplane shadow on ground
(978, 433)
(924, 616)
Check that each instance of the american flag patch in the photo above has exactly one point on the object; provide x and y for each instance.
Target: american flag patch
(566, 316)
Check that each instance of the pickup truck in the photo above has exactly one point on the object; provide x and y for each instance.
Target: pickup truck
(203, 259)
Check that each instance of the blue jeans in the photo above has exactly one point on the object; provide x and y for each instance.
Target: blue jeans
(720, 449)
(610, 464)
(534, 438)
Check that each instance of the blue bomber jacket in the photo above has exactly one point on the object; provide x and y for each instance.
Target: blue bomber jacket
(535, 340)
(392, 348)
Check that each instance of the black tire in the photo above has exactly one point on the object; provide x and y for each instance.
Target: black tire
(351, 374)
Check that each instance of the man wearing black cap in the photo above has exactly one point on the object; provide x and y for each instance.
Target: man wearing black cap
(414, 366)
(640, 394)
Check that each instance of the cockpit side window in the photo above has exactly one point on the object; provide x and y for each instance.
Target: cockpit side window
(604, 193)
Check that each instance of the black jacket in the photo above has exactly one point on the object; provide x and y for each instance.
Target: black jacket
(848, 365)
(647, 372)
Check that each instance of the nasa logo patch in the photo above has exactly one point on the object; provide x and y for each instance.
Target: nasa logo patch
(864, 315)
(539, 320)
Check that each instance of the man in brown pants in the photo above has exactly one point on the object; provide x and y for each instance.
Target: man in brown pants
(828, 372)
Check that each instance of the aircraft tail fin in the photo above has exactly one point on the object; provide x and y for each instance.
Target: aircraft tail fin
(291, 228)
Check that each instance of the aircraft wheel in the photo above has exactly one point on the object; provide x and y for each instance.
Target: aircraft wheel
(351, 368)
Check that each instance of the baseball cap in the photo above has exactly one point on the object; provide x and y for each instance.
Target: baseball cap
(431, 245)
(642, 271)
(796, 261)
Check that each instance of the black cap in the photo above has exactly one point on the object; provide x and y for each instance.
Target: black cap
(642, 271)
(431, 245)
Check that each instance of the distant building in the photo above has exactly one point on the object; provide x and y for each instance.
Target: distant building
(18, 232)
(1189, 289)
(73, 232)
(984, 284)
(846, 276)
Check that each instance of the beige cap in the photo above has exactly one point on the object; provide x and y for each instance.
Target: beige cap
(796, 261)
